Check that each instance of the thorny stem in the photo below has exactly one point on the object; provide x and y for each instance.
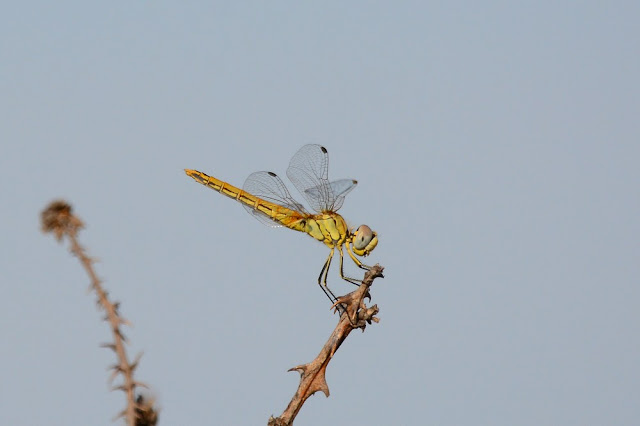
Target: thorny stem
(312, 375)
(114, 321)
(58, 219)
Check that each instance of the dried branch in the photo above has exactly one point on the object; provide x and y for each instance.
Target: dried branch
(312, 375)
(58, 219)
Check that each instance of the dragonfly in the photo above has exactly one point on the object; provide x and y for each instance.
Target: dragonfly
(265, 196)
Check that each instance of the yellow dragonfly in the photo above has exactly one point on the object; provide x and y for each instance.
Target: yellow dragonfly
(266, 197)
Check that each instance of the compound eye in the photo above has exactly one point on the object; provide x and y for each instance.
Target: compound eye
(363, 237)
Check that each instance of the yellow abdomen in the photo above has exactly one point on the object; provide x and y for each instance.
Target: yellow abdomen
(280, 214)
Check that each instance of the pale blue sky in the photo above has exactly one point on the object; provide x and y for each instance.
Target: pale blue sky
(496, 149)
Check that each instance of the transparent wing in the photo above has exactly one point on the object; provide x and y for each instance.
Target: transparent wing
(269, 187)
(309, 170)
(340, 189)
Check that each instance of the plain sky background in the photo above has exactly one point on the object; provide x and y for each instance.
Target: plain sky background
(496, 148)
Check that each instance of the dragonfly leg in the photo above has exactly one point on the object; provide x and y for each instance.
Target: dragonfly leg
(322, 279)
(322, 282)
(353, 281)
(356, 260)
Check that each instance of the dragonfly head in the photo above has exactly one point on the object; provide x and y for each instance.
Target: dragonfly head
(364, 240)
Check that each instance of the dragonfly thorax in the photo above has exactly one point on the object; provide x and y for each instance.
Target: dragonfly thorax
(330, 228)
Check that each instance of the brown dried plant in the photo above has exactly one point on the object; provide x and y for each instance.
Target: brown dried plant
(355, 314)
(58, 218)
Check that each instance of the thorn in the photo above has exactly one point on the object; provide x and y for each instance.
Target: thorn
(299, 368)
(111, 346)
(134, 363)
(121, 335)
(141, 384)
(116, 367)
(120, 415)
(113, 376)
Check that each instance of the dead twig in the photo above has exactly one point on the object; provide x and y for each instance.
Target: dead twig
(58, 219)
(312, 375)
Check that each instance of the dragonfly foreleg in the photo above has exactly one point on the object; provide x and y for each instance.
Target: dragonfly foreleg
(353, 281)
(355, 259)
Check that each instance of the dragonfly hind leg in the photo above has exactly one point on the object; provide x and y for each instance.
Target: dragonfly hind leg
(322, 279)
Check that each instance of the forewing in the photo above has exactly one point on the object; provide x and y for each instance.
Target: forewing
(269, 187)
(308, 170)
